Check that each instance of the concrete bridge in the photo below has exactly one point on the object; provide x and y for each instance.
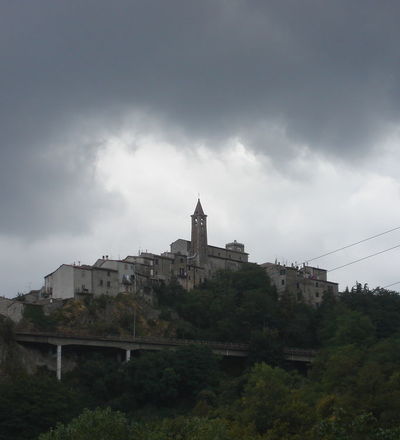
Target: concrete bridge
(127, 344)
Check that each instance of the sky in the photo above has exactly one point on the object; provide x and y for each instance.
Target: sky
(283, 115)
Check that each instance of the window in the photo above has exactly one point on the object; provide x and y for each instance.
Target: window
(126, 266)
(108, 283)
(282, 272)
(283, 282)
(181, 260)
(298, 285)
(108, 273)
(156, 261)
(316, 294)
(316, 284)
(101, 283)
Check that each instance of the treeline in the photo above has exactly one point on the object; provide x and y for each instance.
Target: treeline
(242, 305)
(351, 392)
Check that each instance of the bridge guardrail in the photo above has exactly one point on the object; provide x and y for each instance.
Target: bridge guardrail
(289, 351)
(143, 339)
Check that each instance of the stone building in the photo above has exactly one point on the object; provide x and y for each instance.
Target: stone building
(69, 281)
(190, 262)
(124, 269)
(196, 260)
(307, 284)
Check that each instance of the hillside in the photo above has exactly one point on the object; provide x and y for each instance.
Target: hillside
(352, 390)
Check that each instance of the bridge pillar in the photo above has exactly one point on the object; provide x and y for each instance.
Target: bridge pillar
(128, 355)
(59, 362)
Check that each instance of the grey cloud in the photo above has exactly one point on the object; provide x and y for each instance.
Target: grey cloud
(50, 190)
(328, 72)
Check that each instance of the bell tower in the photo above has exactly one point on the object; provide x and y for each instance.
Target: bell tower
(198, 247)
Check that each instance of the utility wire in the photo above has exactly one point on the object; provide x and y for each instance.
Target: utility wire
(390, 285)
(364, 258)
(352, 244)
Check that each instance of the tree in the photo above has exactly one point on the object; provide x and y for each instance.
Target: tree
(354, 328)
(31, 405)
(193, 428)
(266, 346)
(342, 326)
(271, 400)
(297, 322)
(99, 378)
(161, 377)
(231, 305)
(382, 306)
(99, 424)
(345, 425)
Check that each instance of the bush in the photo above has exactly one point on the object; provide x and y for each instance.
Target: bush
(98, 424)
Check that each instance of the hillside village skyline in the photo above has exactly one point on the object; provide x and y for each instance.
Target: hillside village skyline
(103, 157)
(189, 262)
(281, 261)
(285, 116)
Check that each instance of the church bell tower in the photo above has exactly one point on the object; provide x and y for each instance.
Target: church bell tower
(198, 245)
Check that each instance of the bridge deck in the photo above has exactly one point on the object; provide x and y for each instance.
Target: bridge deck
(231, 349)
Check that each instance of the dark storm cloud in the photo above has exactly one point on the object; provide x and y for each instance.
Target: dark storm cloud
(327, 72)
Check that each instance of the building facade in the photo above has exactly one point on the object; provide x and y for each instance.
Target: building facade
(196, 260)
(72, 281)
(125, 271)
(190, 262)
(306, 284)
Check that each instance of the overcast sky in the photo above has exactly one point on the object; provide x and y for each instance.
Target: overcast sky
(283, 115)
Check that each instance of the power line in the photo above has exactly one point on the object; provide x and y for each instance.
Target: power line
(364, 258)
(390, 285)
(353, 244)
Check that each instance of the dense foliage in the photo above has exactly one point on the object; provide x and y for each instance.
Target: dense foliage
(238, 306)
(153, 379)
(31, 405)
(351, 392)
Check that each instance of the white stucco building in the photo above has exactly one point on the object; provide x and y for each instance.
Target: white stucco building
(69, 281)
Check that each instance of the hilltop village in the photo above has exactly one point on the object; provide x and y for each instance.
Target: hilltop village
(174, 339)
(188, 262)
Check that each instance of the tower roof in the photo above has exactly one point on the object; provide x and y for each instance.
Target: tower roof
(199, 209)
